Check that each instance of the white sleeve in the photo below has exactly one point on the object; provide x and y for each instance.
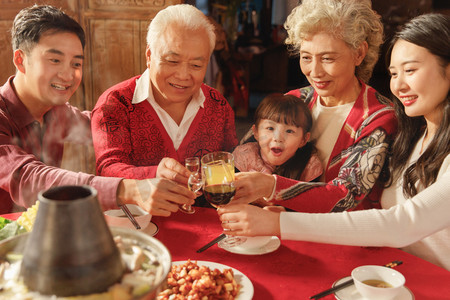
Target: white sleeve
(399, 226)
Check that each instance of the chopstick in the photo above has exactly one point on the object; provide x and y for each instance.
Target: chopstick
(130, 216)
(349, 282)
(216, 240)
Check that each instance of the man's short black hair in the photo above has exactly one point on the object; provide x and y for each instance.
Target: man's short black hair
(34, 21)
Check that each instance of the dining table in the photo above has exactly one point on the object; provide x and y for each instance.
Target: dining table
(296, 269)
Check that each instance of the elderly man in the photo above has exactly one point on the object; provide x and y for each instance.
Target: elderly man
(36, 120)
(146, 126)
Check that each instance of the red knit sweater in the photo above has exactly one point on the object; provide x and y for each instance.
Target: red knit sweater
(130, 140)
(355, 164)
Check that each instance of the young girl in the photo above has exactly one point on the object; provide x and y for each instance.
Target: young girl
(417, 204)
(282, 130)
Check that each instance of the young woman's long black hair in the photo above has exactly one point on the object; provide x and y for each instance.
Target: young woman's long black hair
(432, 32)
(290, 110)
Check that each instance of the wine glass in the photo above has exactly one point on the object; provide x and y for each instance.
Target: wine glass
(195, 181)
(218, 187)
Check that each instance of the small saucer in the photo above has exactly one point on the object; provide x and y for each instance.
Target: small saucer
(151, 229)
(273, 244)
(350, 292)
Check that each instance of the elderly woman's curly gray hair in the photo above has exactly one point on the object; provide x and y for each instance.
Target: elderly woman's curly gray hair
(353, 21)
(185, 15)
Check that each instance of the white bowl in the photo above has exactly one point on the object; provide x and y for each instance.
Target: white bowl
(387, 275)
(116, 217)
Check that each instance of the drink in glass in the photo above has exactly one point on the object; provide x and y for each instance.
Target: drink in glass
(218, 188)
(195, 181)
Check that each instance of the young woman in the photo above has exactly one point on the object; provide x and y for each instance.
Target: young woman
(417, 203)
(282, 129)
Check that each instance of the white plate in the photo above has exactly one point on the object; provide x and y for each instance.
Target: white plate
(273, 244)
(151, 229)
(350, 292)
(246, 292)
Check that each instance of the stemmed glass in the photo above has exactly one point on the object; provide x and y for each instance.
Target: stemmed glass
(195, 181)
(218, 187)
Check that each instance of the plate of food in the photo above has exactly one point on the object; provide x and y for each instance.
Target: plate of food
(210, 279)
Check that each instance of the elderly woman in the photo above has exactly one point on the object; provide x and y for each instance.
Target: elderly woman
(338, 43)
(416, 204)
(147, 125)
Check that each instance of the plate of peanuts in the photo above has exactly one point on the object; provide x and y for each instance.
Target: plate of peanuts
(192, 279)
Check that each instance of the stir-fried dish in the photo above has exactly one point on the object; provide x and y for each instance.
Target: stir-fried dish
(191, 281)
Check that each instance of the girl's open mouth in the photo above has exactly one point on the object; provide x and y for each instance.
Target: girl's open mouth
(276, 150)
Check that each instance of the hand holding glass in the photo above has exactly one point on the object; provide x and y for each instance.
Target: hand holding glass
(195, 181)
(219, 189)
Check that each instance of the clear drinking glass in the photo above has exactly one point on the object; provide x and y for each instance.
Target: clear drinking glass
(195, 181)
(218, 187)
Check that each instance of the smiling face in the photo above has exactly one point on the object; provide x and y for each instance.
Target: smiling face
(278, 141)
(50, 73)
(329, 65)
(178, 68)
(419, 81)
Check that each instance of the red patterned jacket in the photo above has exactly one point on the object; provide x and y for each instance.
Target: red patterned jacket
(130, 140)
(355, 163)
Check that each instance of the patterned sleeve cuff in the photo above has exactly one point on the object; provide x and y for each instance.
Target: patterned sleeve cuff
(273, 190)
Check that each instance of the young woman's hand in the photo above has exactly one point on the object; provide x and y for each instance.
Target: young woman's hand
(249, 220)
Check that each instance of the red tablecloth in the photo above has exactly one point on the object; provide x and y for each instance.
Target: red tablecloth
(297, 270)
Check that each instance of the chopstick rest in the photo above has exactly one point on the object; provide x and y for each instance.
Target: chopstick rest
(348, 283)
(214, 241)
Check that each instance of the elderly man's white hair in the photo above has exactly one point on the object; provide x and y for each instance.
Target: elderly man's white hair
(184, 15)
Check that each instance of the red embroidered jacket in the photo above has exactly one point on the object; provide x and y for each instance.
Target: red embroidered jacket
(130, 140)
(356, 161)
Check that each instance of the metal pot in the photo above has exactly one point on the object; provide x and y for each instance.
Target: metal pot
(70, 250)
(17, 245)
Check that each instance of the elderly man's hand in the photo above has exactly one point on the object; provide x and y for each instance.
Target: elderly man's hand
(251, 186)
(171, 169)
(158, 196)
(249, 220)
